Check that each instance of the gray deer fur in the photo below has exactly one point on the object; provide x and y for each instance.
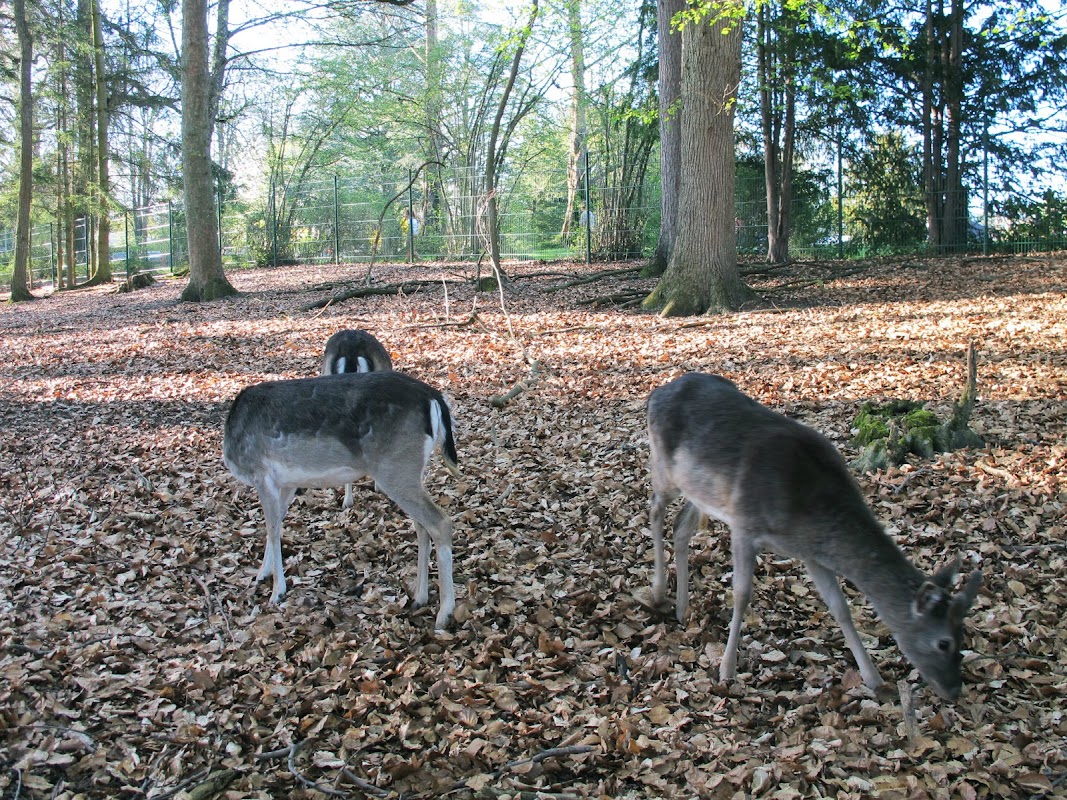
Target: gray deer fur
(782, 486)
(354, 351)
(329, 430)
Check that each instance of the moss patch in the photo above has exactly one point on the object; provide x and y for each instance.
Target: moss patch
(887, 434)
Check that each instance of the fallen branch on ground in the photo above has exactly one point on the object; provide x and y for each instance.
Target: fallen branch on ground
(620, 299)
(596, 276)
(499, 401)
(370, 291)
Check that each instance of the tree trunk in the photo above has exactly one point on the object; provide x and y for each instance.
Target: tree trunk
(670, 142)
(927, 90)
(207, 281)
(491, 208)
(20, 276)
(702, 274)
(775, 35)
(576, 142)
(953, 224)
(102, 273)
(84, 171)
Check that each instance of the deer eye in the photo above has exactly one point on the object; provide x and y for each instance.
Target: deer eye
(944, 645)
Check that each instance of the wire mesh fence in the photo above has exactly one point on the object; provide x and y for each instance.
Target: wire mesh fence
(439, 214)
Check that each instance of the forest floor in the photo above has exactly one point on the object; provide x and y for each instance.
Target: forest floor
(139, 659)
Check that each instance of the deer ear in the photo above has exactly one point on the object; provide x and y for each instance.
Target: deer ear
(929, 598)
(957, 610)
(946, 576)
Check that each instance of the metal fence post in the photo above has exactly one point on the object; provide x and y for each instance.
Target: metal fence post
(336, 225)
(126, 236)
(588, 216)
(170, 235)
(985, 189)
(840, 201)
(274, 223)
(411, 222)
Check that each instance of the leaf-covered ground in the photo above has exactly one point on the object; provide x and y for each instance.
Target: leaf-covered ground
(137, 658)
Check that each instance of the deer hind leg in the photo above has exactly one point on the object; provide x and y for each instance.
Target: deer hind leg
(830, 589)
(349, 500)
(275, 502)
(659, 572)
(685, 525)
(744, 558)
(431, 523)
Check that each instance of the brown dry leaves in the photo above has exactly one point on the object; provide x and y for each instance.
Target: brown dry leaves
(137, 660)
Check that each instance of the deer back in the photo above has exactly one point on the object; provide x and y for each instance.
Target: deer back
(328, 430)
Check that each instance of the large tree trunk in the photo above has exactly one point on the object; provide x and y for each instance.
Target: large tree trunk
(576, 143)
(207, 281)
(702, 274)
(670, 142)
(20, 276)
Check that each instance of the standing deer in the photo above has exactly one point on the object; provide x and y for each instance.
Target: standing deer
(782, 486)
(326, 431)
(354, 351)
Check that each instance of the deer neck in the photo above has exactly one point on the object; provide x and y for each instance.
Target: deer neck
(876, 566)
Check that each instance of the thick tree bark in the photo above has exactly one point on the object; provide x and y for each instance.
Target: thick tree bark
(576, 143)
(702, 274)
(20, 276)
(207, 281)
(670, 142)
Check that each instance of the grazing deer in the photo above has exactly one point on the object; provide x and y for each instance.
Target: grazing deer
(780, 485)
(354, 351)
(326, 431)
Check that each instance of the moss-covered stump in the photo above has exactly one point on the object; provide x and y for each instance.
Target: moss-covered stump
(139, 280)
(887, 434)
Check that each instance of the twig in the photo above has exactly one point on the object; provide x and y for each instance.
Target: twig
(371, 291)
(554, 752)
(907, 708)
(804, 282)
(366, 786)
(568, 330)
(473, 319)
(619, 298)
(307, 782)
(499, 401)
(289, 753)
(199, 775)
(596, 276)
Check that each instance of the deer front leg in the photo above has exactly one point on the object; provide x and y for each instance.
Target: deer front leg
(830, 589)
(744, 558)
(659, 571)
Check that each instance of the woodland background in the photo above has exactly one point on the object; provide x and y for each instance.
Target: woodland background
(137, 660)
(866, 128)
